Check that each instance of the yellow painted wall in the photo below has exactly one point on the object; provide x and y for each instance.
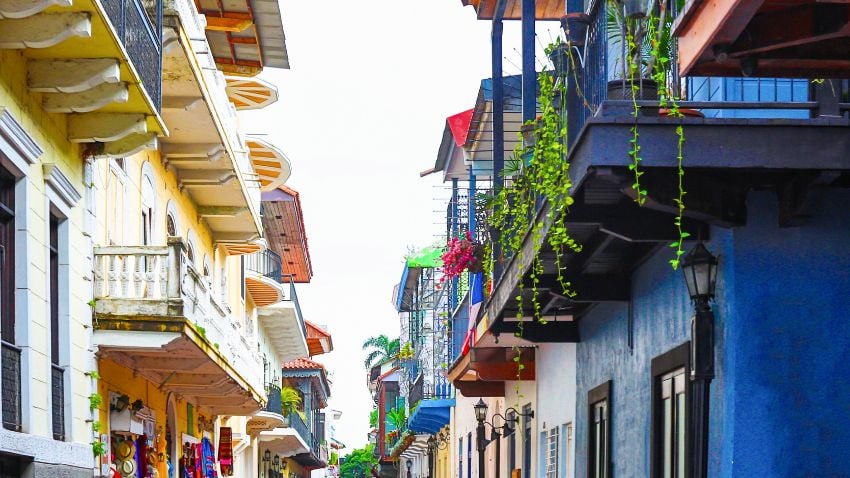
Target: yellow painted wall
(118, 379)
(121, 224)
(49, 131)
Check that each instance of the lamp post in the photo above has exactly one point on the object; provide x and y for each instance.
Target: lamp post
(267, 458)
(482, 441)
(700, 269)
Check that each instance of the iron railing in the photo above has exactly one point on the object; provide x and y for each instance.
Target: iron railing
(274, 405)
(266, 263)
(417, 391)
(293, 297)
(57, 376)
(140, 31)
(297, 423)
(11, 363)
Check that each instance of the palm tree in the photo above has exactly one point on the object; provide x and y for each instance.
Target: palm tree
(381, 349)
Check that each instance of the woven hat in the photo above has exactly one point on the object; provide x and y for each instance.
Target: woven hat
(127, 468)
(125, 450)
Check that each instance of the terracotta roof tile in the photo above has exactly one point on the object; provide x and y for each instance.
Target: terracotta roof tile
(303, 363)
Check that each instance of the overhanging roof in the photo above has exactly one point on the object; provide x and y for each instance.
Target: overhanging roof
(283, 220)
(544, 9)
(319, 341)
(431, 415)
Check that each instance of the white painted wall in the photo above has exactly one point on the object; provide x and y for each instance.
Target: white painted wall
(556, 401)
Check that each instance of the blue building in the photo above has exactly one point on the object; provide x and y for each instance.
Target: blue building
(744, 379)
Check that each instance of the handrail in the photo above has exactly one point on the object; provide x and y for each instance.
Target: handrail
(266, 263)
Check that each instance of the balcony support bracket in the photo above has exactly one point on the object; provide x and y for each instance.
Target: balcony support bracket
(88, 100)
(104, 127)
(71, 76)
(27, 8)
(43, 30)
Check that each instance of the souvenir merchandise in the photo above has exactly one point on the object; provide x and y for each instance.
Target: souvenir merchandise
(225, 451)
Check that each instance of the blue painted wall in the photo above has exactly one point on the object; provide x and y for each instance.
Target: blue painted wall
(780, 404)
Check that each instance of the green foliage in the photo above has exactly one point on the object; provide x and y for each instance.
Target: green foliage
(93, 375)
(397, 417)
(98, 448)
(290, 400)
(406, 351)
(95, 426)
(95, 401)
(373, 418)
(359, 463)
(541, 171)
(380, 349)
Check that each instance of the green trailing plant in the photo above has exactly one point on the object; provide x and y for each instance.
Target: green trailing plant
(93, 375)
(98, 448)
(290, 399)
(373, 418)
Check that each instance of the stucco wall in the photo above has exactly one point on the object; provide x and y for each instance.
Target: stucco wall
(556, 396)
(781, 348)
(32, 282)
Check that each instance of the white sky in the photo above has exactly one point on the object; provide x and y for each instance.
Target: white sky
(360, 114)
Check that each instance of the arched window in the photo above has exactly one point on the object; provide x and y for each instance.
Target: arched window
(148, 204)
(171, 223)
(190, 252)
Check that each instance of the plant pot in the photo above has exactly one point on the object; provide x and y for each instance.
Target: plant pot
(575, 28)
(560, 58)
(622, 90)
(478, 265)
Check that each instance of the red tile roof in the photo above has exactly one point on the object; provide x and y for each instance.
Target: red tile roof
(303, 363)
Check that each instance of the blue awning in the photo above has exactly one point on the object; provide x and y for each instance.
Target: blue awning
(431, 415)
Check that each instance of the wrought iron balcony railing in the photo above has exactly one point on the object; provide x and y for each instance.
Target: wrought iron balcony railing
(297, 423)
(266, 263)
(140, 31)
(11, 363)
(58, 397)
(274, 403)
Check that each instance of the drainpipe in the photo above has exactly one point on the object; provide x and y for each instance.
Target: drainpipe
(498, 125)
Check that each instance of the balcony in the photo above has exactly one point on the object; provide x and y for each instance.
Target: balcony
(99, 62)
(263, 277)
(155, 314)
(206, 149)
(140, 32)
(271, 416)
(283, 322)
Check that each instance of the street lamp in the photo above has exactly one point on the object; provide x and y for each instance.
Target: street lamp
(700, 269)
(482, 441)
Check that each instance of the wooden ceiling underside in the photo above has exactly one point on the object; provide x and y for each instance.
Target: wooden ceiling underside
(771, 38)
(544, 9)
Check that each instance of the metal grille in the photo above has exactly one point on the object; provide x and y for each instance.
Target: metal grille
(142, 38)
(594, 80)
(274, 404)
(58, 397)
(266, 263)
(552, 454)
(11, 359)
(297, 424)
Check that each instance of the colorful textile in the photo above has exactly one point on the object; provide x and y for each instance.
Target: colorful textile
(476, 300)
(225, 451)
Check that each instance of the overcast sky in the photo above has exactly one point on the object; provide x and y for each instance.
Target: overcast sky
(361, 112)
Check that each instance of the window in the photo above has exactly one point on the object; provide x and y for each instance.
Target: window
(170, 226)
(11, 355)
(599, 444)
(469, 455)
(670, 411)
(57, 371)
(511, 434)
(552, 454)
(526, 441)
(148, 201)
(460, 457)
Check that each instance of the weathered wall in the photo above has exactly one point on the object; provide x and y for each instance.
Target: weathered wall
(781, 345)
(556, 398)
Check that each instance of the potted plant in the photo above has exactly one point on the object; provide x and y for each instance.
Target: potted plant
(462, 254)
(641, 30)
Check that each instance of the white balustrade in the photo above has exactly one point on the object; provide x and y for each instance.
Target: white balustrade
(136, 275)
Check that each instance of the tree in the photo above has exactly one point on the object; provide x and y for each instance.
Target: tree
(359, 463)
(380, 349)
(397, 417)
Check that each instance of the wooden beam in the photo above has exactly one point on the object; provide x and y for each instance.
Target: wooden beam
(480, 389)
(792, 27)
(86, 101)
(168, 364)
(229, 21)
(104, 127)
(534, 331)
(714, 22)
(26, 8)
(71, 76)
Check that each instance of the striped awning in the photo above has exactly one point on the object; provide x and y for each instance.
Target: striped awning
(270, 164)
(250, 93)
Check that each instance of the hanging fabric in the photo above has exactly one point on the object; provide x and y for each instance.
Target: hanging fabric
(225, 451)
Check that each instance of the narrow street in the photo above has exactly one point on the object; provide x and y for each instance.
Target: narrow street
(445, 239)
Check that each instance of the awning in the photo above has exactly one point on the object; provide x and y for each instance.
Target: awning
(431, 415)
(250, 93)
(269, 162)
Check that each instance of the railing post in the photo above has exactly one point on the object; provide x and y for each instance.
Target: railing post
(176, 248)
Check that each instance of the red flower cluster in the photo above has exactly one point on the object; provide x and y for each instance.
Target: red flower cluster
(459, 257)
